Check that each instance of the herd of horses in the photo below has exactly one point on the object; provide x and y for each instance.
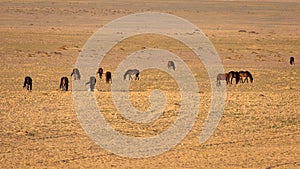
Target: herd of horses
(241, 76)
(64, 81)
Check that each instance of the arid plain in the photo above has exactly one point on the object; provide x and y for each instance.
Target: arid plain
(260, 124)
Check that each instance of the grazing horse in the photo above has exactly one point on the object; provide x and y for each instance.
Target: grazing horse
(92, 83)
(100, 72)
(244, 76)
(76, 74)
(108, 77)
(233, 74)
(64, 84)
(221, 76)
(292, 60)
(131, 72)
(28, 83)
(171, 64)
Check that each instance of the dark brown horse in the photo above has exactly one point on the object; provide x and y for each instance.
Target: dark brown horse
(171, 64)
(221, 76)
(131, 72)
(108, 77)
(28, 83)
(100, 72)
(76, 74)
(292, 60)
(64, 84)
(244, 75)
(234, 74)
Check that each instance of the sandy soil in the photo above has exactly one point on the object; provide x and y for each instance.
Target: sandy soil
(260, 125)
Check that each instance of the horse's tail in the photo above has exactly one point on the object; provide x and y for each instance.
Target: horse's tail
(174, 66)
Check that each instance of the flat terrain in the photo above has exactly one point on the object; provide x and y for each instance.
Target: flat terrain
(259, 127)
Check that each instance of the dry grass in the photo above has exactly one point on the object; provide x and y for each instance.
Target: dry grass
(260, 125)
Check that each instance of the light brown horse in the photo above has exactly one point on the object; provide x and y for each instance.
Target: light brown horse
(221, 76)
(244, 75)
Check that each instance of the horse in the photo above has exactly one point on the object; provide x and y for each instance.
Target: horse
(108, 77)
(92, 83)
(100, 72)
(131, 72)
(292, 60)
(64, 84)
(171, 64)
(221, 76)
(76, 74)
(234, 74)
(28, 83)
(244, 76)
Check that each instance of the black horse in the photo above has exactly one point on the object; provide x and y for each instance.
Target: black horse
(76, 74)
(108, 77)
(244, 75)
(234, 74)
(28, 83)
(292, 60)
(64, 84)
(171, 64)
(131, 72)
(100, 72)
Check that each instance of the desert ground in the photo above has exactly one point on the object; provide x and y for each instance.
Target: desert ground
(260, 124)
